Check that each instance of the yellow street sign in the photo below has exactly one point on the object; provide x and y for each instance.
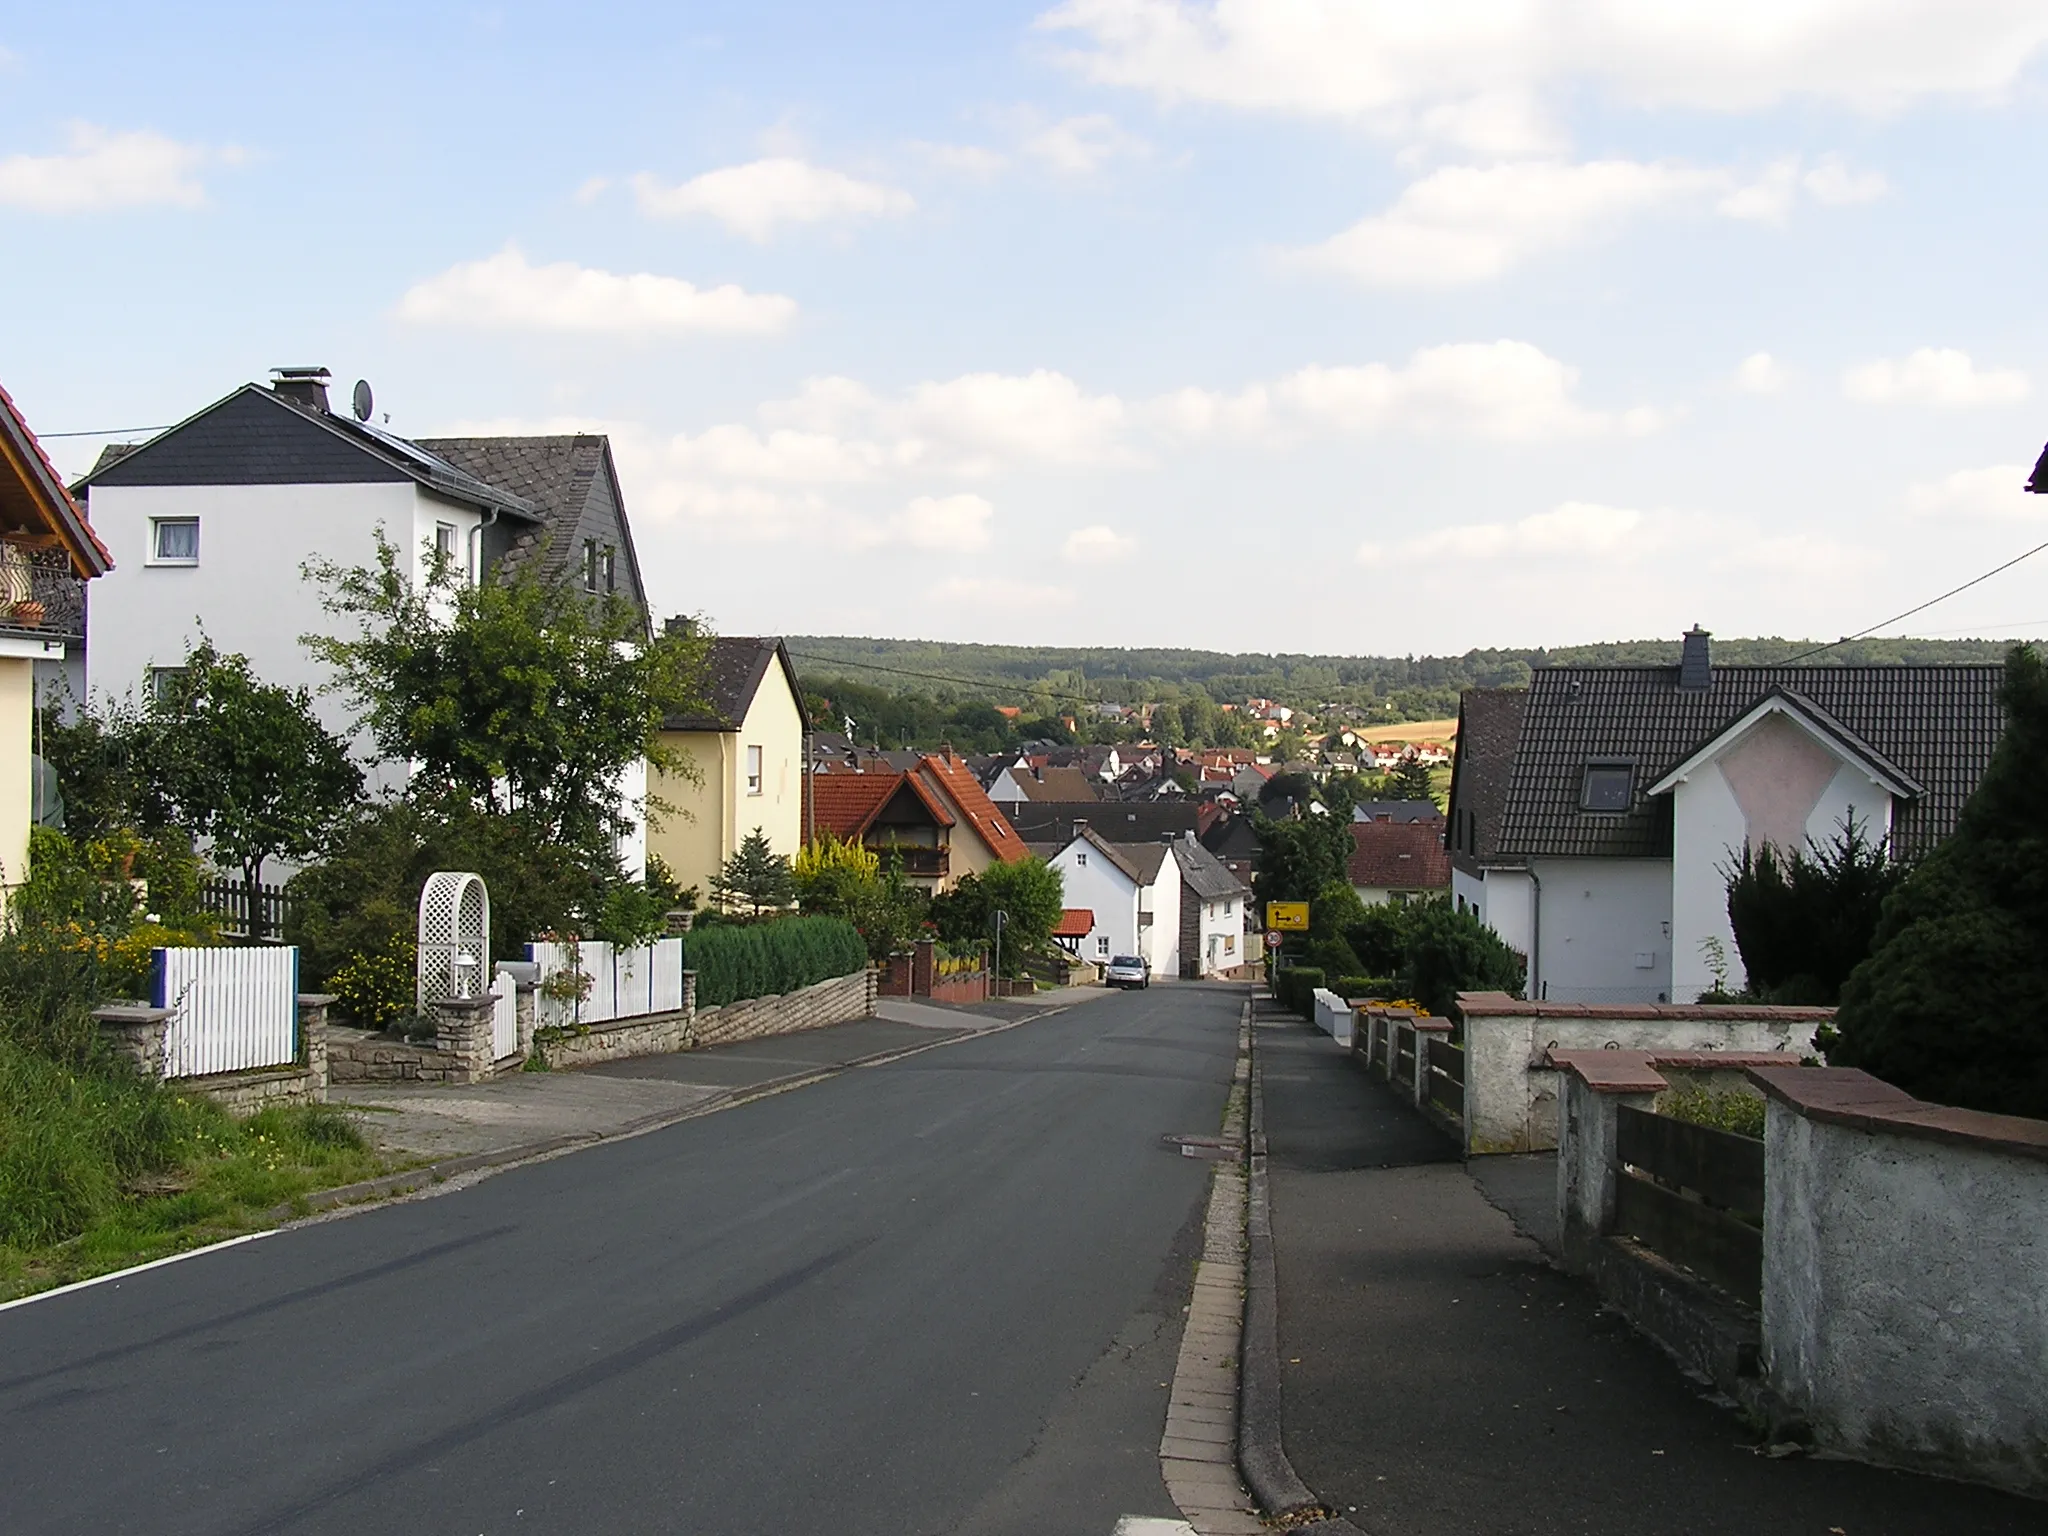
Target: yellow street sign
(1287, 916)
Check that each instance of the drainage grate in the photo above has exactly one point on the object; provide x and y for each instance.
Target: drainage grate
(1216, 1149)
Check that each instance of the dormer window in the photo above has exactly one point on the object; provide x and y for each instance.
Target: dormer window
(1608, 788)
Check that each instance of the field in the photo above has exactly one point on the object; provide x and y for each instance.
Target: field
(1413, 730)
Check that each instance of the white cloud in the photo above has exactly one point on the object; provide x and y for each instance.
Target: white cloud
(1478, 73)
(1098, 544)
(506, 292)
(758, 198)
(1573, 528)
(1468, 224)
(1081, 146)
(965, 159)
(1937, 376)
(592, 189)
(1996, 494)
(1832, 182)
(1760, 374)
(958, 523)
(1500, 389)
(102, 168)
(1000, 594)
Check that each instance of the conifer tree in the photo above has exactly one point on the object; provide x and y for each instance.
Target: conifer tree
(756, 875)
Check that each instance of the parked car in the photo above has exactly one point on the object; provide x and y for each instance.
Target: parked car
(1128, 971)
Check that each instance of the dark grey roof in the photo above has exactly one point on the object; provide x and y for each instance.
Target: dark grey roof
(734, 666)
(1396, 810)
(1204, 874)
(1232, 838)
(1140, 862)
(256, 436)
(566, 479)
(1489, 727)
(1135, 822)
(1936, 725)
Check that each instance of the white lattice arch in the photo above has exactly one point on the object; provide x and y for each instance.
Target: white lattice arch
(455, 937)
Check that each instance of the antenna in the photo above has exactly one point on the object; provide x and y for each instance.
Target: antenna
(364, 401)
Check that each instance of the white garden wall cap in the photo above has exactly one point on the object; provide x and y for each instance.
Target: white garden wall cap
(1849, 1097)
(318, 999)
(1500, 1005)
(131, 1013)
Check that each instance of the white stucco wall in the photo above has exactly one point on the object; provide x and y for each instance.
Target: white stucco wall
(1708, 829)
(1098, 885)
(246, 593)
(1905, 1298)
(1504, 900)
(1599, 919)
(1160, 943)
(1222, 936)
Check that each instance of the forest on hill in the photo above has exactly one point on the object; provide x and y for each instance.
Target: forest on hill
(902, 693)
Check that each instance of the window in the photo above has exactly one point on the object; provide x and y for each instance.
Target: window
(1608, 787)
(444, 542)
(1081, 860)
(753, 770)
(610, 568)
(174, 540)
(166, 683)
(590, 571)
(1228, 905)
(1102, 945)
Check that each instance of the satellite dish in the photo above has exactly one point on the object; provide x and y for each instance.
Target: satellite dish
(364, 402)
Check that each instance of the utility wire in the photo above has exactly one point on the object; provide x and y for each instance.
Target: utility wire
(1863, 634)
(110, 432)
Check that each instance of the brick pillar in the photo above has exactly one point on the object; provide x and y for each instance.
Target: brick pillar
(525, 1014)
(922, 955)
(462, 1031)
(313, 1008)
(137, 1031)
(872, 990)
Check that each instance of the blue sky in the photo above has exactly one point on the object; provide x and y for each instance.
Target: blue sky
(1275, 325)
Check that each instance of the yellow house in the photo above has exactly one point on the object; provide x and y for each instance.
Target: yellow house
(748, 748)
(47, 552)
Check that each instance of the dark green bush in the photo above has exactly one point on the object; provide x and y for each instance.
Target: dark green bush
(1449, 952)
(735, 961)
(1350, 988)
(1803, 922)
(1952, 1004)
(1302, 981)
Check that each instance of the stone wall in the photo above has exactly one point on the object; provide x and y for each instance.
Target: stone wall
(826, 1002)
(647, 1034)
(1510, 1091)
(243, 1093)
(366, 1056)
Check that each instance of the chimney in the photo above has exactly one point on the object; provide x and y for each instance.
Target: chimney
(681, 624)
(1080, 826)
(1695, 662)
(303, 386)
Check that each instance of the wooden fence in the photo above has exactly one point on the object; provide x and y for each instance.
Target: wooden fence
(1693, 1195)
(232, 1009)
(233, 901)
(1447, 1077)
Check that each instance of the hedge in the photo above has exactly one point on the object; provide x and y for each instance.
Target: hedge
(1355, 989)
(735, 961)
(1296, 988)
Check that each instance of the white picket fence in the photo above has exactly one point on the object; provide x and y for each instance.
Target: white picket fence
(504, 1017)
(232, 1009)
(624, 983)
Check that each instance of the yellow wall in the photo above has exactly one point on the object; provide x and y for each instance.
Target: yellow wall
(17, 744)
(709, 818)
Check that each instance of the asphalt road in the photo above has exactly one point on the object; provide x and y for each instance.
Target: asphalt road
(941, 1295)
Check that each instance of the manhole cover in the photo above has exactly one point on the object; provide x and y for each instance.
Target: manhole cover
(1215, 1148)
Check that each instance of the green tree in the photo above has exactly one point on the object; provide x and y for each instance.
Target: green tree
(1803, 922)
(242, 763)
(1448, 952)
(1198, 717)
(523, 697)
(1952, 1004)
(93, 756)
(1341, 792)
(1028, 892)
(1410, 781)
(755, 875)
(1299, 859)
(885, 909)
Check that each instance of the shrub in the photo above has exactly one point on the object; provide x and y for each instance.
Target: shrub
(733, 961)
(1301, 982)
(1378, 988)
(886, 910)
(1803, 922)
(375, 988)
(1952, 1004)
(1449, 952)
(1729, 1109)
(1380, 938)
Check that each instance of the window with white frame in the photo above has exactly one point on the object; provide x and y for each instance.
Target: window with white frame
(753, 770)
(1102, 945)
(1081, 862)
(444, 543)
(166, 683)
(608, 568)
(590, 565)
(174, 541)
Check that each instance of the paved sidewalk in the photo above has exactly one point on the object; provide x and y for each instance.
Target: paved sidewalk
(1442, 1379)
(434, 1123)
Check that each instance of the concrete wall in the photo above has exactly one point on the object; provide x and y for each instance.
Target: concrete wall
(1511, 1099)
(1219, 935)
(1601, 919)
(1775, 783)
(1905, 1299)
(17, 745)
(693, 837)
(1160, 942)
(1506, 901)
(1098, 885)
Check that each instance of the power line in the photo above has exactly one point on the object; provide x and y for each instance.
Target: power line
(109, 432)
(1863, 634)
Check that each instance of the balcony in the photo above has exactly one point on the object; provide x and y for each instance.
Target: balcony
(918, 863)
(40, 598)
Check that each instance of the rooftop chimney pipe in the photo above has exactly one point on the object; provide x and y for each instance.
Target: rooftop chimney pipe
(1695, 662)
(305, 386)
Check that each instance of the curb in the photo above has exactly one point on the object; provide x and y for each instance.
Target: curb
(1261, 1456)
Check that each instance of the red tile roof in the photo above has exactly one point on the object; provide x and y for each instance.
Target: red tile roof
(1074, 923)
(45, 490)
(957, 781)
(844, 803)
(1399, 856)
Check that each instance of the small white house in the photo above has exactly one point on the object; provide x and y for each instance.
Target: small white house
(1134, 892)
(1213, 902)
(1595, 815)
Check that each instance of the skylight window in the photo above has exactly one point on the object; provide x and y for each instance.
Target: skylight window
(1608, 788)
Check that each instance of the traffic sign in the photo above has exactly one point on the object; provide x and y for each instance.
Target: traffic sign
(1273, 940)
(1288, 916)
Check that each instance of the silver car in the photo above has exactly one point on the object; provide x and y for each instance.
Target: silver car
(1128, 971)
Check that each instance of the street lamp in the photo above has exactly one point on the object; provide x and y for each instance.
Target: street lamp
(1001, 918)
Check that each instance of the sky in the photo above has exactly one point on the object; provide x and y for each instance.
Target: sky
(1281, 325)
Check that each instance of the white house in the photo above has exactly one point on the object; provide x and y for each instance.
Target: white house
(1594, 815)
(1212, 911)
(1134, 892)
(212, 522)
